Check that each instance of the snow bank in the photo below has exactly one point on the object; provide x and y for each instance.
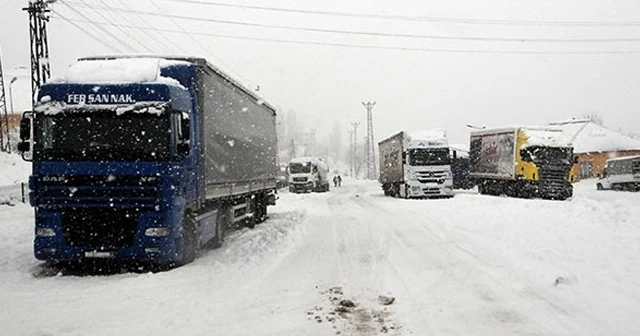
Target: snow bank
(14, 170)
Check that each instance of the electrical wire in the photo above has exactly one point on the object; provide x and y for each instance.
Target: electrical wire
(134, 38)
(418, 18)
(381, 47)
(159, 41)
(87, 32)
(115, 38)
(379, 34)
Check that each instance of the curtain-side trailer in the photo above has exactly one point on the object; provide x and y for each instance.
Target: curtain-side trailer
(146, 159)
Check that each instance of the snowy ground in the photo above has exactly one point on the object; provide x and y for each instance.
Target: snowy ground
(472, 265)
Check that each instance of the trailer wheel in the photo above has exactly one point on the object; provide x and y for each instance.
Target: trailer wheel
(261, 209)
(250, 221)
(222, 222)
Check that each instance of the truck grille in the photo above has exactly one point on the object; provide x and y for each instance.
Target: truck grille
(553, 178)
(299, 179)
(99, 191)
(431, 177)
(99, 227)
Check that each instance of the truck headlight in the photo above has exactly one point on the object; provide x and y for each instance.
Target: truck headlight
(157, 232)
(45, 232)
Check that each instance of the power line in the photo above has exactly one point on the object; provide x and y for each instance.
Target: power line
(379, 34)
(380, 47)
(135, 39)
(211, 55)
(87, 32)
(116, 38)
(420, 18)
(158, 40)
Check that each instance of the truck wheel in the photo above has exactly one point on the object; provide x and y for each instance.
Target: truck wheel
(261, 209)
(599, 186)
(386, 190)
(188, 241)
(250, 221)
(222, 222)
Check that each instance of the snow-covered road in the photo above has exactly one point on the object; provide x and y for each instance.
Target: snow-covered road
(472, 265)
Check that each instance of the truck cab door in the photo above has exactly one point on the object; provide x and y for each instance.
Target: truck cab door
(186, 166)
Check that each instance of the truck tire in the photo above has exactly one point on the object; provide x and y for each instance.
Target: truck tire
(222, 222)
(482, 190)
(250, 221)
(599, 186)
(261, 209)
(187, 241)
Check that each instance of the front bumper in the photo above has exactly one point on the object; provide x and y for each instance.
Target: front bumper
(430, 190)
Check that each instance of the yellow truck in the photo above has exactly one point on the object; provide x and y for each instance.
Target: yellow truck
(522, 162)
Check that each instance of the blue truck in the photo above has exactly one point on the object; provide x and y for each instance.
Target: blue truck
(146, 159)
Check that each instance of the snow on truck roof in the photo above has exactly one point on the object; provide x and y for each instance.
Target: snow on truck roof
(435, 134)
(167, 61)
(141, 69)
(546, 137)
(536, 135)
(309, 159)
(119, 71)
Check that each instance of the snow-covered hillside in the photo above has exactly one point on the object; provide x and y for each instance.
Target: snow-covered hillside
(471, 265)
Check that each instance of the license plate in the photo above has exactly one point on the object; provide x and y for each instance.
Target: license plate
(99, 254)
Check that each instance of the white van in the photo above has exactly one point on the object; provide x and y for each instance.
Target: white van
(621, 174)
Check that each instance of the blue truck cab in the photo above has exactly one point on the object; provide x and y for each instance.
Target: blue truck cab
(137, 169)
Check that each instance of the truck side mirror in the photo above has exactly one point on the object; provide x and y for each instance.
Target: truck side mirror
(25, 129)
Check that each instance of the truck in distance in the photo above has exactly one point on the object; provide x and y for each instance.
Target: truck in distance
(621, 173)
(146, 159)
(307, 174)
(415, 165)
(522, 162)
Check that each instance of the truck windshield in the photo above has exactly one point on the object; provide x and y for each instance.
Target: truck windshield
(551, 154)
(429, 157)
(299, 168)
(101, 136)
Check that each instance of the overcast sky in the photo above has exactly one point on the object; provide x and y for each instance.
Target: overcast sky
(417, 82)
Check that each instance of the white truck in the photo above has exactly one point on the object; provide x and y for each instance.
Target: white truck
(621, 174)
(415, 165)
(307, 174)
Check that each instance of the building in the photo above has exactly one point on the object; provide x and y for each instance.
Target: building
(594, 144)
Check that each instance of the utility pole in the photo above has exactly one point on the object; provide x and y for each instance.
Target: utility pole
(354, 137)
(40, 69)
(4, 118)
(370, 145)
